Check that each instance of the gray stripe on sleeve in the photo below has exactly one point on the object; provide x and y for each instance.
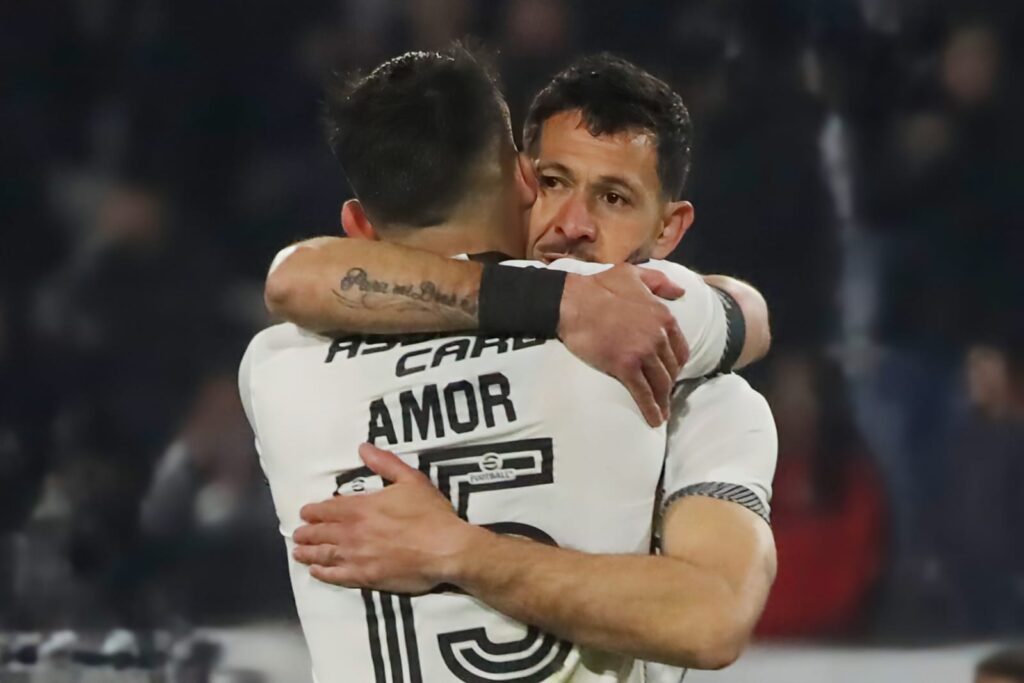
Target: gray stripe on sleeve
(734, 493)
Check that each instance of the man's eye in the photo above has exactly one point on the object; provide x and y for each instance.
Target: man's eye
(614, 198)
(550, 181)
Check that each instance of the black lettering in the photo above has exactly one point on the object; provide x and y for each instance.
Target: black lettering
(401, 370)
(499, 343)
(350, 345)
(473, 419)
(385, 344)
(419, 338)
(495, 391)
(457, 348)
(380, 423)
(421, 413)
(519, 343)
(358, 278)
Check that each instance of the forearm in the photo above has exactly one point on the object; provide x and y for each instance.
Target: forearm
(755, 314)
(332, 284)
(654, 608)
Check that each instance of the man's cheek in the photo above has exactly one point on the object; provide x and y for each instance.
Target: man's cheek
(533, 238)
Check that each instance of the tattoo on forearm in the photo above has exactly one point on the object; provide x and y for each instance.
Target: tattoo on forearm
(358, 290)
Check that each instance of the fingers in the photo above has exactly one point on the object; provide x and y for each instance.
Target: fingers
(317, 534)
(337, 509)
(668, 358)
(660, 284)
(678, 344)
(643, 395)
(343, 575)
(661, 382)
(325, 511)
(385, 463)
(324, 554)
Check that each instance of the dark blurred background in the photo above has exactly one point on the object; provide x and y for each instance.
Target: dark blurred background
(860, 161)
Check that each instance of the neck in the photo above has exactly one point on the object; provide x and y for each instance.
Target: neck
(467, 233)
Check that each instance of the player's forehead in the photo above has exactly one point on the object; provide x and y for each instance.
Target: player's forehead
(566, 143)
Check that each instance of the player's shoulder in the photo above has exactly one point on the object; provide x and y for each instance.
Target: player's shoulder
(729, 396)
(277, 338)
(283, 336)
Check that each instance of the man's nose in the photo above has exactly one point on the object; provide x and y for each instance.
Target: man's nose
(575, 221)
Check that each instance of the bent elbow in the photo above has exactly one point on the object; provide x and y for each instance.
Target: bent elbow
(278, 292)
(764, 342)
(283, 282)
(718, 646)
(755, 310)
(717, 656)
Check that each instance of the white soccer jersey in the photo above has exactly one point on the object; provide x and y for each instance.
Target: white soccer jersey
(518, 433)
(722, 443)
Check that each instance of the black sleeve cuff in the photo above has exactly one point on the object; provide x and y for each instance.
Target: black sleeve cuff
(520, 300)
(736, 331)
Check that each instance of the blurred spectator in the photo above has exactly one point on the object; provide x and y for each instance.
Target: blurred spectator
(435, 23)
(208, 512)
(917, 184)
(828, 510)
(697, 51)
(125, 327)
(970, 65)
(1002, 666)
(536, 40)
(106, 315)
(762, 210)
(983, 513)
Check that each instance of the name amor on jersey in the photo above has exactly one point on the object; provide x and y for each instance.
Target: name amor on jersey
(431, 411)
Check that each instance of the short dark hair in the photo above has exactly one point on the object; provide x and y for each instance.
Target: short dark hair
(1008, 663)
(410, 133)
(615, 95)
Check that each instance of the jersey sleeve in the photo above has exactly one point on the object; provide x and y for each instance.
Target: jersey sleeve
(709, 319)
(245, 371)
(244, 378)
(722, 443)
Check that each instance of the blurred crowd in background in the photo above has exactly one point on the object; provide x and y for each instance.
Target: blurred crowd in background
(860, 161)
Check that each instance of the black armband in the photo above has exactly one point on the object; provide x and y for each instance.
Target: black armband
(520, 300)
(735, 331)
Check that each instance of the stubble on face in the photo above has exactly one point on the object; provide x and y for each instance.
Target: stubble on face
(622, 164)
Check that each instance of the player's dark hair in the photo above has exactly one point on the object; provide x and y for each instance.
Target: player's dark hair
(409, 134)
(615, 95)
(1008, 663)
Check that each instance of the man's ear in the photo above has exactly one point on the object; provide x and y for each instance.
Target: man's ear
(677, 220)
(526, 180)
(355, 221)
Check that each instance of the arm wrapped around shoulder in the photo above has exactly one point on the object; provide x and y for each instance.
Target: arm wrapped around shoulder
(520, 300)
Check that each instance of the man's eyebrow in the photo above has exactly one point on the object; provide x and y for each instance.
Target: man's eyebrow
(556, 167)
(618, 181)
